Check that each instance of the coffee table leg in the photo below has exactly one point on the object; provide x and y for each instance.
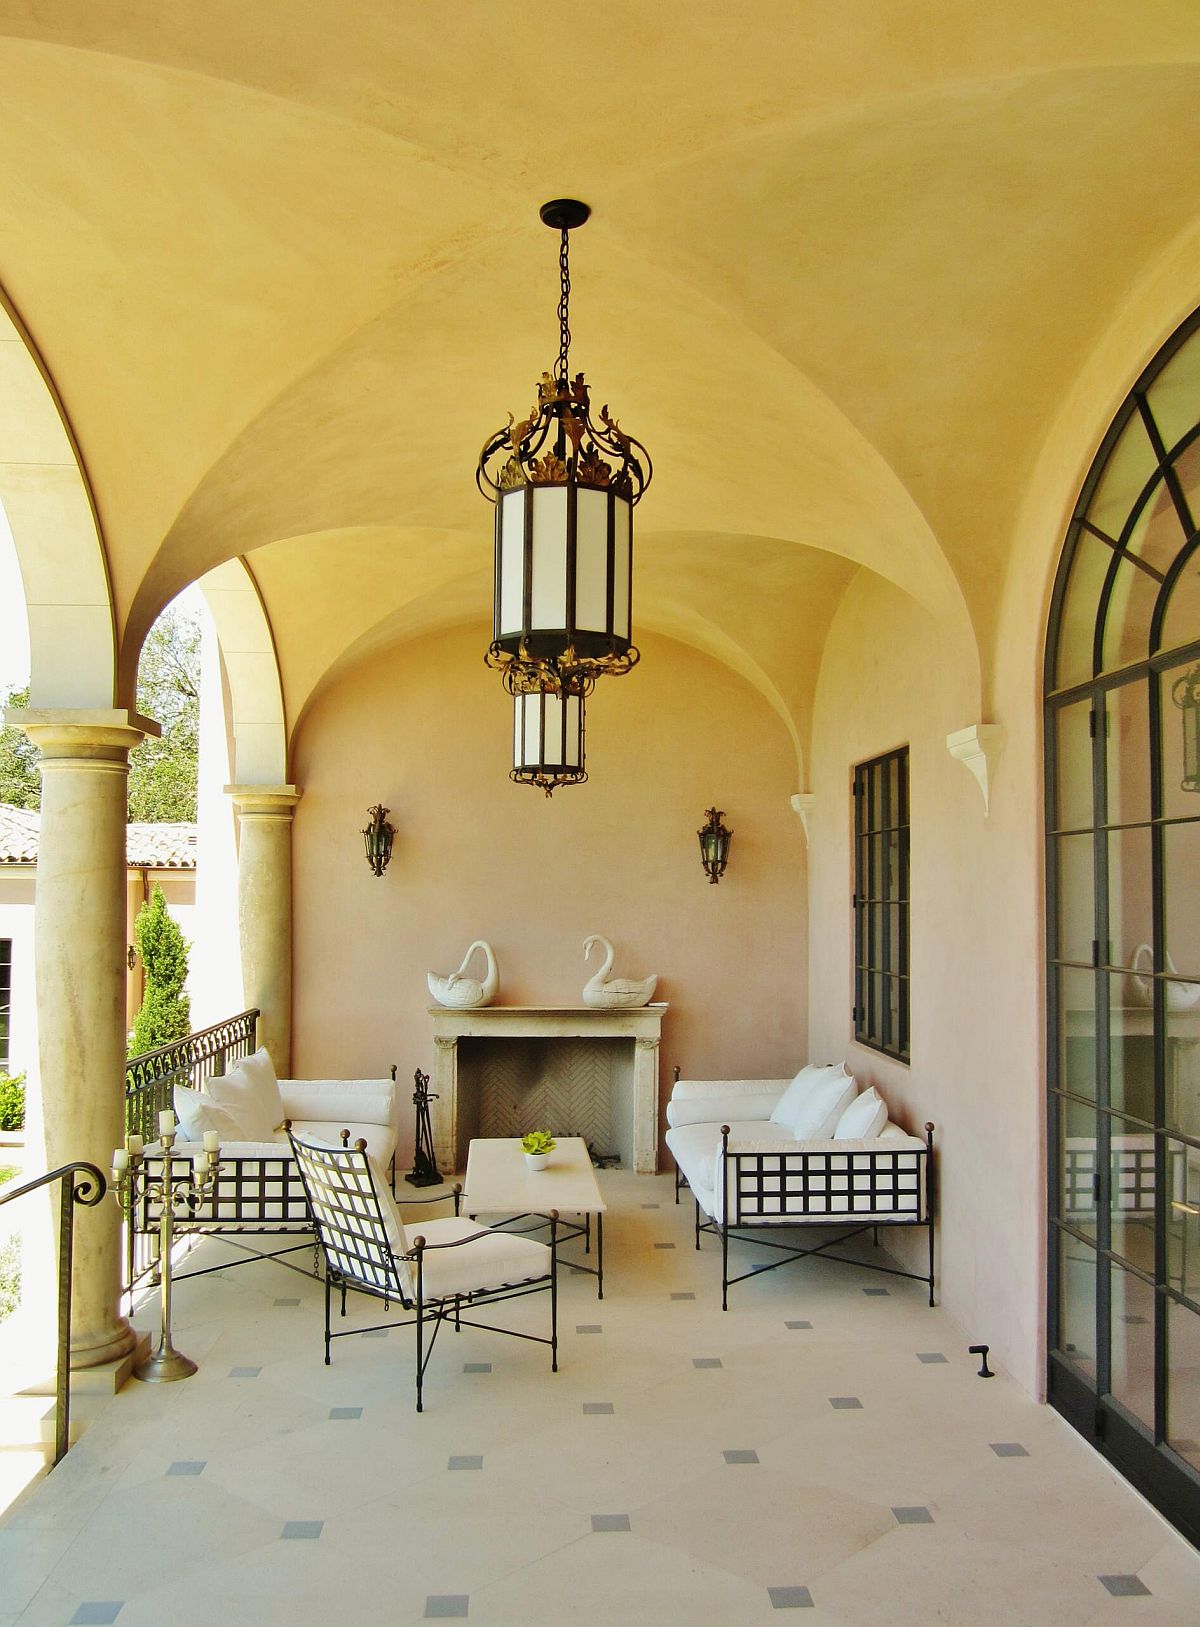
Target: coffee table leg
(600, 1255)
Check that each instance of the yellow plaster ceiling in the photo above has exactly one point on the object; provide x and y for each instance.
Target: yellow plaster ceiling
(284, 267)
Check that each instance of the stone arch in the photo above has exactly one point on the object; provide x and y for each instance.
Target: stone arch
(56, 533)
(251, 666)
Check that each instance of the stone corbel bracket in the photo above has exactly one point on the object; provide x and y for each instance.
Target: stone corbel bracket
(803, 804)
(978, 748)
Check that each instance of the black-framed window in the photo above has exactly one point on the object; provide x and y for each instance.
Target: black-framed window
(1123, 944)
(881, 903)
(5, 999)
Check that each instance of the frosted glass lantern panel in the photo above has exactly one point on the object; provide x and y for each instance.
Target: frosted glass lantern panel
(622, 567)
(591, 560)
(548, 601)
(511, 523)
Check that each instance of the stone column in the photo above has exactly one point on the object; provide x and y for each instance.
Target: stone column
(81, 973)
(264, 815)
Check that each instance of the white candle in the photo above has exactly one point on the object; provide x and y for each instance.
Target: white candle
(166, 1122)
(200, 1165)
(134, 1144)
(120, 1159)
(212, 1141)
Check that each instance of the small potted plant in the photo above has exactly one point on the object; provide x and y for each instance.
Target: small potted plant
(537, 1147)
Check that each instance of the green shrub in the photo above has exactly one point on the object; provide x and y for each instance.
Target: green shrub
(166, 1012)
(12, 1101)
(10, 1276)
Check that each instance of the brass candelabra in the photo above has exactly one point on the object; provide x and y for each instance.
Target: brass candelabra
(179, 1186)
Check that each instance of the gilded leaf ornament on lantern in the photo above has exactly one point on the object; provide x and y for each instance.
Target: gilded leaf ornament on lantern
(548, 467)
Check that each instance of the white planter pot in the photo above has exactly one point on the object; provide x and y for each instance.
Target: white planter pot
(536, 1160)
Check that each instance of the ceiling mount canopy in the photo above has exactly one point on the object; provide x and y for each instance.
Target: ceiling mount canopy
(564, 484)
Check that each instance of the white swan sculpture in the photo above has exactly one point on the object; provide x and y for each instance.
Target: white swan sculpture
(461, 992)
(621, 991)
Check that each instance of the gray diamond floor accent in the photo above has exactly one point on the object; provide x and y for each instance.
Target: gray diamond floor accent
(1121, 1587)
(595, 1408)
(244, 1372)
(845, 1403)
(913, 1516)
(375, 1333)
(470, 1462)
(1008, 1449)
(587, 1327)
(580, 1271)
(651, 1206)
(795, 1325)
(610, 1522)
(931, 1356)
(1135, 1321)
(446, 1604)
(345, 1412)
(877, 1293)
(740, 1456)
(683, 1296)
(97, 1611)
(790, 1598)
(707, 1361)
(477, 1367)
(188, 1466)
(287, 1302)
(664, 1245)
(302, 1530)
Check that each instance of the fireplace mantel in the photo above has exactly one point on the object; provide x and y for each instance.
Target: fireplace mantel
(641, 1024)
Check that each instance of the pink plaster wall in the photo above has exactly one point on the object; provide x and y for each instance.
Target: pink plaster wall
(976, 1068)
(427, 730)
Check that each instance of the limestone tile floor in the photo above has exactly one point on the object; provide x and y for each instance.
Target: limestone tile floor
(684, 1466)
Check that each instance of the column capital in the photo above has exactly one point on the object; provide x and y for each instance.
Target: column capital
(106, 734)
(264, 801)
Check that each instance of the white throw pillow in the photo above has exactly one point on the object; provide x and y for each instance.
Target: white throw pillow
(251, 1100)
(863, 1119)
(823, 1106)
(788, 1105)
(197, 1113)
(261, 1071)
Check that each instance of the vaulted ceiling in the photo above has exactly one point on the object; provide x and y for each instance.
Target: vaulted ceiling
(284, 268)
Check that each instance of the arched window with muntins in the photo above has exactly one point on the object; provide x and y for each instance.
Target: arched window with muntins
(1122, 731)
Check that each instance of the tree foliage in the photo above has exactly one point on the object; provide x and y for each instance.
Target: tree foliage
(162, 772)
(166, 1012)
(20, 783)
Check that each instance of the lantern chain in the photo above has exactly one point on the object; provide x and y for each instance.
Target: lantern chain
(564, 303)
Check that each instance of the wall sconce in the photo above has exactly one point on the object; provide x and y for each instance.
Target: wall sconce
(378, 838)
(714, 845)
(1185, 692)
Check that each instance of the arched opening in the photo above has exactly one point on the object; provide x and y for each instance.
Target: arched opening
(1122, 714)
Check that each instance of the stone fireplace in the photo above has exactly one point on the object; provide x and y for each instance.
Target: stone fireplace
(502, 1070)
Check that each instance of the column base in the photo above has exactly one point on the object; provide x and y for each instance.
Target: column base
(112, 1348)
(103, 1378)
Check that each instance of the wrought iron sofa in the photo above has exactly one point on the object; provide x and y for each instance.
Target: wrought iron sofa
(749, 1176)
(258, 1189)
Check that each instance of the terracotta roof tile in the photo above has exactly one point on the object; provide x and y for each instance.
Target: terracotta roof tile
(149, 846)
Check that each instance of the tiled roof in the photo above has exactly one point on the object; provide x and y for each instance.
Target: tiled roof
(147, 846)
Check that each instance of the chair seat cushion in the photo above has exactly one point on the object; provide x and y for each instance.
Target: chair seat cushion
(491, 1260)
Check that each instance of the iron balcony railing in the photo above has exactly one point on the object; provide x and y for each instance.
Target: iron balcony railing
(79, 1183)
(150, 1079)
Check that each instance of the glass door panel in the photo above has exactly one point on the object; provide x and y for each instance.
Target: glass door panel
(1130, 895)
(1132, 1164)
(1077, 1303)
(1183, 1382)
(1076, 897)
(1131, 1343)
(1077, 1030)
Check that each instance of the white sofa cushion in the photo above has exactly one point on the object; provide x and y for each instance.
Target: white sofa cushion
(337, 1101)
(696, 1147)
(380, 1138)
(798, 1091)
(863, 1119)
(716, 1101)
(823, 1105)
(251, 1096)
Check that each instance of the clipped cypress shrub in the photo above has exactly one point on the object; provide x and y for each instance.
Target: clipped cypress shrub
(166, 1012)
